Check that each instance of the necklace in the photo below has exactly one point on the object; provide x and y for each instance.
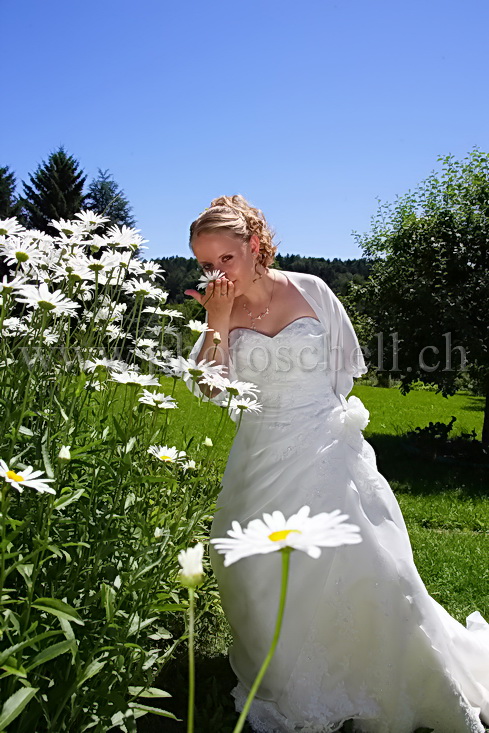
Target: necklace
(262, 315)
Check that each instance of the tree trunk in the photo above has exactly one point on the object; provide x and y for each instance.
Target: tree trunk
(485, 424)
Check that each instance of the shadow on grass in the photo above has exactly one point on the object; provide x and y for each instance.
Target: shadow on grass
(420, 475)
(476, 404)
(214, 705)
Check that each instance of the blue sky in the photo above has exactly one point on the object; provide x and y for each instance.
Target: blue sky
(311, 110)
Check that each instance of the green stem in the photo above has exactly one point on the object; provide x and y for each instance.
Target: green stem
(283, 593)
(191, 664)
(3, 548)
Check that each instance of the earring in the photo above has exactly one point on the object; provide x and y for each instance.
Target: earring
(260, 274)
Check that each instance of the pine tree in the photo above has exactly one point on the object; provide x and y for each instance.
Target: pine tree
(56, 191)
(106, 198)
(9, 203)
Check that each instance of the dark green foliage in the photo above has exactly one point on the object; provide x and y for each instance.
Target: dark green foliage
(56, 191)
(432, 441)
(336, 273)
(430, 279)
(106, 198)
(184, 272)
(9, 203)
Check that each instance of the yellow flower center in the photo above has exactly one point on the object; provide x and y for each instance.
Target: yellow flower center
(14, 476)
(45, 305)
(282, 534)
(165, 458)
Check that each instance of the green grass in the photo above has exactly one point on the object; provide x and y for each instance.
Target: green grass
(446, 509)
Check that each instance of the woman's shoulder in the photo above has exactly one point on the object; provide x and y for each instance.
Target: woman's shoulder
(306, 280)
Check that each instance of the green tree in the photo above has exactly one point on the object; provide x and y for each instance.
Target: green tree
(9, 203)
(55, 191)
(428, 292)
(105, 197)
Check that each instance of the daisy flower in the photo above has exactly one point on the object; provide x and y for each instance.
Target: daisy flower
(209, 277)
(239, 404)
(152, 269)
(188, 367)
(143, 289)
(113, 364)
(166, 454)
(103, 267)
(198, 326)
(124, 237)
(90, 219)
(154, 330)
(10, 227)
(20, 252)
(145, 343)
(113, 332)
(172, 313)
(157, 399)
(132, 377)
(189, 465)
(300, 532)
(190, 561)
(6, 285)
(135, 268)
(13, 326)
(154, 309)
(28, 477)
(216, 381)
(237, 388)
(41, 297)
(49, 337)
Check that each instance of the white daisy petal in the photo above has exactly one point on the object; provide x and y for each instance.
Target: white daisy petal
(273, 532)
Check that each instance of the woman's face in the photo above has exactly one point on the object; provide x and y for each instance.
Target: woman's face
(225, 252)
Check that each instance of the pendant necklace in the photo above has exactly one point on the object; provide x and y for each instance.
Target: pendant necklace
(262, 315)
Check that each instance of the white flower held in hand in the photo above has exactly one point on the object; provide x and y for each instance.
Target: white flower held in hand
(192, 572)
(209, 277)
(299, 532)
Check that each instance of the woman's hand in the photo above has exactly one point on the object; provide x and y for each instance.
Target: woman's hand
(218, 298)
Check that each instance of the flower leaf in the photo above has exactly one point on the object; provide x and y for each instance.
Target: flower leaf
(58, 608)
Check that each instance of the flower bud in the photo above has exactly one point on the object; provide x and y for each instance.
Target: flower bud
(64, 453)
(192, 572)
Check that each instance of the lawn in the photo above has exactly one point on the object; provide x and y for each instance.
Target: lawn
(446, 509)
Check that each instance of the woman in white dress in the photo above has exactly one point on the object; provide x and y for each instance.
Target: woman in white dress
(361, 638)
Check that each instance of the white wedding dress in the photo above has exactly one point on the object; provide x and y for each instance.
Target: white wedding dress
(361, 639)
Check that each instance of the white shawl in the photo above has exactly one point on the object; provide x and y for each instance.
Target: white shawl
(344, 356)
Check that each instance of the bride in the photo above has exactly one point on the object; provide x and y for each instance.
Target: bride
(361, 637)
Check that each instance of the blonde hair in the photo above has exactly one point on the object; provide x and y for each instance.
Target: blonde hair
(235, 215)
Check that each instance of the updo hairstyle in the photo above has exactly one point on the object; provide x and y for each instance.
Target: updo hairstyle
(235, 215)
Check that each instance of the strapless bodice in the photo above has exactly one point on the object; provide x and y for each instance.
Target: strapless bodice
(289, 368)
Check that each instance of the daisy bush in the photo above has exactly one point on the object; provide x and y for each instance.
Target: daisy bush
(96, 503)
